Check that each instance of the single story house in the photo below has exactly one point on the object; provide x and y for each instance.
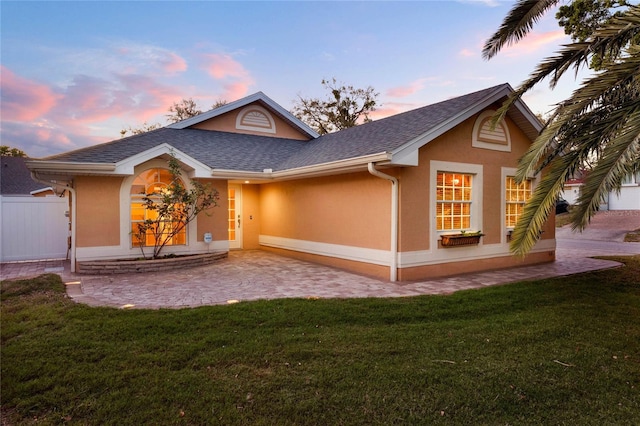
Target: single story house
(380, 198)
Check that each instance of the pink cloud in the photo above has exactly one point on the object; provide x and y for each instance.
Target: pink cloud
(220, 66)
(173, 63)
(410, 89)
(155, 97)
(133, 97)
(140, 58)
(235, 91)
(23, 99)
(42, 138)
(236, 80)
(467, 53)
(535, 41)
(43, 120)
(392, 108)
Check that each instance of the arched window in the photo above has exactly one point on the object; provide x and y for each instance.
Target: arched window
(152, 184)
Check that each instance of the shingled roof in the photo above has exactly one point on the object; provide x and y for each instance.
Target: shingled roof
(252, 153)
(234, 151)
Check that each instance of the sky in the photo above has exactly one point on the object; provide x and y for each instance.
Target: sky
(75, 73)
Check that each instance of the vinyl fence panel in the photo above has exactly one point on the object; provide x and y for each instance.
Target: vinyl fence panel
(33, 228)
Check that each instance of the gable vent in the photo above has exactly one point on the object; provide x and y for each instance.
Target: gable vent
(489, 135)
(497, 139)
(255, 118)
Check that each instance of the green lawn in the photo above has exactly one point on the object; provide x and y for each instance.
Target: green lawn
(558, 351)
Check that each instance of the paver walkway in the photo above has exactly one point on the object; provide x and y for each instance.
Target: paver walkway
(253, 275)
(256, 274)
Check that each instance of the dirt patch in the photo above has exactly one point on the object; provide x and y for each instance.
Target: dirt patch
(632, 237)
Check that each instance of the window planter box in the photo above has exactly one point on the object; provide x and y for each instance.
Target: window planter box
(458, 240)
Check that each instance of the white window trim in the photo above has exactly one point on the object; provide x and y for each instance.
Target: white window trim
(476, 194)
(486, 145)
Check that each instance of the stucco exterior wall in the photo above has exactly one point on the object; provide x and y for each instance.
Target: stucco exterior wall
(214, 220)
(227, 123)
(351, 210)
(98, 211)
(456, 146)
(251, 217)
(375, 271)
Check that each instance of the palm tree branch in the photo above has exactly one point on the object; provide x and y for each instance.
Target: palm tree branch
(516, 25)
(616, 33)
(591, 100)
(619, 158)
(539, 206)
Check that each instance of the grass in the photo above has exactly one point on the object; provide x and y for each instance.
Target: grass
(557, 351)
(563, 219)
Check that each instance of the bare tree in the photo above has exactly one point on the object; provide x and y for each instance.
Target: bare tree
(345, 106)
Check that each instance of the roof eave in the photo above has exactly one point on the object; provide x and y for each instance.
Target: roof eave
(348, 165)
(69, 168)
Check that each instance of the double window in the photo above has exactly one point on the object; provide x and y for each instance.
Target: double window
(152, 184)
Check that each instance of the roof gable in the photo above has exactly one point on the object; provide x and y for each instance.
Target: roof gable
(255, 114)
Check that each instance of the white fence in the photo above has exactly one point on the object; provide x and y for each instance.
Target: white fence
(33, 228)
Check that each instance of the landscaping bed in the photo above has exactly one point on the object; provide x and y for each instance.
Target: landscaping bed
(98, 267)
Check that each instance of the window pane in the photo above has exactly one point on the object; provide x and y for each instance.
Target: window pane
(137, 211)
(137, 189)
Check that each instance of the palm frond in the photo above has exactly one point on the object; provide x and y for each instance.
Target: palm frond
(585, 113)
(601, 119)
(609, 39)
(620, 157)
(539, 206)
(516, 25)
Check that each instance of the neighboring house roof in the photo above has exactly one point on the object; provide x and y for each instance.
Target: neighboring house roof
(15, 178)
(393, 140)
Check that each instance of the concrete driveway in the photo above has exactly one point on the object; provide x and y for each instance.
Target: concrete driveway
(603, 237)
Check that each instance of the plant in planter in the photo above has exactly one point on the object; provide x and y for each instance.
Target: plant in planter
(464, 238)
(170, 208)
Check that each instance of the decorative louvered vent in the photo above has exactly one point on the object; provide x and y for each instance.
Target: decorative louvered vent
(484, 136)
(255, 118)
